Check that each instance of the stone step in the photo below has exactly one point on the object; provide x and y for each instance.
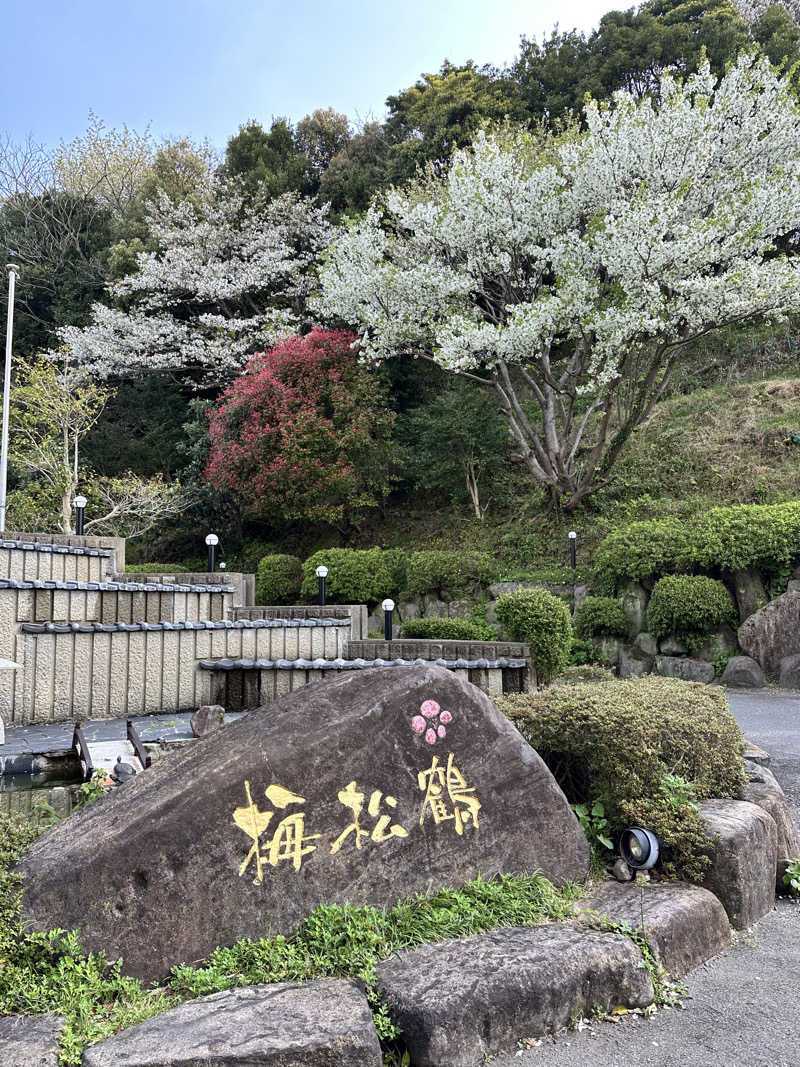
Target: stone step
(463, 1001)
(316, 1024)
(243, 684)
(76, 671)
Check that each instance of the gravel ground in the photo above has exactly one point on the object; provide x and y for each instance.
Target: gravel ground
(743, 1008)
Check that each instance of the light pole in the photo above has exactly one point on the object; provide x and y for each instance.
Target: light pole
(573, 537)
(13, 271)
(322, 574)
(388, 608)
(212, 541)
(80, 504)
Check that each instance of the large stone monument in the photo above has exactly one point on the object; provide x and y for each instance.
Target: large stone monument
(367, 789)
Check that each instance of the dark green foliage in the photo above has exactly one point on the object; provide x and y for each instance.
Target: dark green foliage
(268, 164)
(440, 571)
(626, 742)
(434, 629)
(457, 442)
(543, 622)
(600, 616)
(279, 579)
(357, 171)
(689, 607)
(355, 576)
(156, 568)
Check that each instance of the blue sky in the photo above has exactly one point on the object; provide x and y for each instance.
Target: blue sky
(200, 68)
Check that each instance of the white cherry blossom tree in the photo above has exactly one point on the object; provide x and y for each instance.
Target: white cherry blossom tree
(569, 280)
(225, 281)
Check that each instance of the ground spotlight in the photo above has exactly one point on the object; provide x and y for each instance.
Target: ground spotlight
(639, 848)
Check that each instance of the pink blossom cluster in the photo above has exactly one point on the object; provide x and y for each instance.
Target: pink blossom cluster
(431, 721)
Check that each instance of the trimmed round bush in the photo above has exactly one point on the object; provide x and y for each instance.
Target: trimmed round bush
(689, 607)
(434, 629)
(643, 747)
(600, 616)
(355, 576)
(278, 579)
(543, 621)
(438, 571)
(640, 550)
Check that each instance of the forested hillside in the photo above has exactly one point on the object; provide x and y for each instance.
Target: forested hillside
(191, 354)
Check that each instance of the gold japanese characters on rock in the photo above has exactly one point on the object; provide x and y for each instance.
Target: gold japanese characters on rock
(445, 797)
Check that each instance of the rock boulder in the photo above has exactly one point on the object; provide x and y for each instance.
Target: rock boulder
(763, 789)
(743, 672)
(463, 1001)
(371, 787)
(634, 604)
(773, 633)
(315, 1024)
(685, 925)
(30, 1040)
(688, 670)
(751, 595)
(789, 672)
(743, 858)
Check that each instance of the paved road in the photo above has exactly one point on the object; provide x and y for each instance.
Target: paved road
(744, 1006)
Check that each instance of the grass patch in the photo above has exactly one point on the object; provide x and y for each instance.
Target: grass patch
(49, 972)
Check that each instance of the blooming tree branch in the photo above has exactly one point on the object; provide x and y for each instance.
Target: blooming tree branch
(574, 278)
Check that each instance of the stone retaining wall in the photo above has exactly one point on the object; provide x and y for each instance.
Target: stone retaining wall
(356, 613)
(95, 671)
(244, 585)
(26, 561)
(116, 545)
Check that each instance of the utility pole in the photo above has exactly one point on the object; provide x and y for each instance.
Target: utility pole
(13, 271)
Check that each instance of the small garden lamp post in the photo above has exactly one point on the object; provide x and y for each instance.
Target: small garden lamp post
(223, 565)
(13, 271)
(573, 537)
(388, 608)
(212, 541)
(322, 574)
(80, 508)
(639, 848)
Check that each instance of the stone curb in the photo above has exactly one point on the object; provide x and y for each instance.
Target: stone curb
(135, 627)
(352, 664)
(64, 550)
(114, 587)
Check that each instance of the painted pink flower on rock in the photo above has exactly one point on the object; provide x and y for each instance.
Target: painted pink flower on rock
(418, 724)
(430, 736)
(440, 730)
(445, 717)
(429, 708)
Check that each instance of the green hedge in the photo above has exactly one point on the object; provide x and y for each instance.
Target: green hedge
(600, 615)
(543, 621)
(356, 576)
(434, 629)
(763, 537)
(438, 571)
(278, 579)
(640, 747)
(156, 568)
(689, 607)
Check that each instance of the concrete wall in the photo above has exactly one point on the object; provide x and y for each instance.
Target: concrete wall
(243, 584)
(100, 675)
(112, 544)
(356, 613)
(241, 690)
(34, 565)
(414, 648)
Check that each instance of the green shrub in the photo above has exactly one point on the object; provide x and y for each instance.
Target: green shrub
(278, 580)
(156, 568)
(764, 537)
(689, 607)
(625, 742)
(355, 576)
(449, 630)
(600, 615)
(439, 571)
(542, 621)
(640, 550)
